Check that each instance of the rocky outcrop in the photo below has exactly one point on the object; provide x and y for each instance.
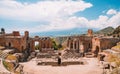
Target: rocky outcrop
(117, 30)
(117, 47)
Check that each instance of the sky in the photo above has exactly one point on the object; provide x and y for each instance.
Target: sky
(48, 16)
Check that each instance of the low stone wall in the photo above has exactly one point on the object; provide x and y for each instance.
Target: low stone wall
(64, 62)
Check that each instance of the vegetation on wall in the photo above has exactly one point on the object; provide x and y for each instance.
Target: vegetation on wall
(106, 31)
(116, 60)
(55, 45)
(110, 31)
(9, 65)
(37, 47)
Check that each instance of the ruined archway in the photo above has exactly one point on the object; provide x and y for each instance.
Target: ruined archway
(37, 45)
(41, 44)
(71, 45)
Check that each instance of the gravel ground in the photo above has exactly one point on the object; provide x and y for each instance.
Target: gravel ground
(91, 68)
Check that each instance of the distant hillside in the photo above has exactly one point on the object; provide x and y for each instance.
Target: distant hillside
(107, 30)
(117, 30)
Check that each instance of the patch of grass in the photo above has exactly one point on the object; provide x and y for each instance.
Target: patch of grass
(9, 65)
(116, 60)
(11, 57)
(118, 47)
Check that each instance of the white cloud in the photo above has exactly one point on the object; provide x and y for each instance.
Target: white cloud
(43, 10)
(99, 23)
(111, 12)
(59, 14)
(114, 20)
(76, 22)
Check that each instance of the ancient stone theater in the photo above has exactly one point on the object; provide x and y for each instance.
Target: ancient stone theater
(81, 43)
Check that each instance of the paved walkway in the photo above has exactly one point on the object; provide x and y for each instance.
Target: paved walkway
(90, 68)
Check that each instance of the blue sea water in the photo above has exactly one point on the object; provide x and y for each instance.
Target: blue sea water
(76, 31)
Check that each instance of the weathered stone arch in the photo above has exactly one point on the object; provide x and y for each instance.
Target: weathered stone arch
(44, 43)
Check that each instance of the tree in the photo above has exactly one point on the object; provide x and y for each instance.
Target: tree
(59, 46)
(37, 47)
(55, 45)
(2, 30)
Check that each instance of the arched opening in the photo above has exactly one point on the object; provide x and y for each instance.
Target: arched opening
(22, 48)
(96, 51)
(75, 45)
(9, 44)
(89, 47)
(71, 45)
(37, 45)
(118, 36)
(28, 45)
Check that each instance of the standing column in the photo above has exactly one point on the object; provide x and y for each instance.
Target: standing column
(69, 45)
(73, 45)
(33, 46)
(81, 50)
(77, 44)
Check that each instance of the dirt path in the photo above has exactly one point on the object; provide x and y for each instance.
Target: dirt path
(90, 68)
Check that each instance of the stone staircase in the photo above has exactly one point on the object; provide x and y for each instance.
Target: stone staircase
(3, 54)
(70, 54)
(3, 70)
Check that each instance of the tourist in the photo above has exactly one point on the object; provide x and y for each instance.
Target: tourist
(59, 59)
(102, 56)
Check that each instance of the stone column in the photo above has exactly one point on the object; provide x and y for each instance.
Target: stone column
(69, 44)
(81, 48)
(77, 46)
(73, 45)
(33, 46)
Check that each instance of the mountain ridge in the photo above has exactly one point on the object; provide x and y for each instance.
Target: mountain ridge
(107, 30)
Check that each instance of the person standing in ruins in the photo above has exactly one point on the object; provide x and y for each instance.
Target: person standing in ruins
(59, 59)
